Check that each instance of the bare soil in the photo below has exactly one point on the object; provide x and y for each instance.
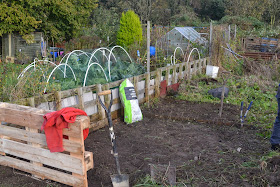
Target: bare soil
(206, 150)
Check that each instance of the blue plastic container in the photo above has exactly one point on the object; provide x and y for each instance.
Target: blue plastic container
(55, 54)
(152, 51)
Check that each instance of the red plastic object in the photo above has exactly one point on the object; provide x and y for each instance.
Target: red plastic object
(174, 87)
(164, 88)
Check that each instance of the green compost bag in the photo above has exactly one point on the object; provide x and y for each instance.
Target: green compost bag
(132, 111)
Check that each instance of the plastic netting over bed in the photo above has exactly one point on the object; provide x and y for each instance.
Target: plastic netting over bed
(82, 68)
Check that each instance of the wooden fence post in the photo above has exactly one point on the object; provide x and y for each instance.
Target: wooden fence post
(200, 66)
(101, 111)
(147, 88)
(135, 83)
(58, 100)
(189, 70)
(180, 71)
(157, 82)
(174, 75)
(211, 40)
(167, 75)
(107, 97)
(81, 98)
(195, 66)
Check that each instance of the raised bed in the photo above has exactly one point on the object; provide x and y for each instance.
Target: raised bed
(23, 146)
(146, 86)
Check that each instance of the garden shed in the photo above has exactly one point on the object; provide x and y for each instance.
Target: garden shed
(14, 47)
(180, 37)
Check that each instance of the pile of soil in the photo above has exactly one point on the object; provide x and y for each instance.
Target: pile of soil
(182, 134)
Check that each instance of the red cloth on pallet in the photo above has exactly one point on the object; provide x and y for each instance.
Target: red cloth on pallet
(54, 124)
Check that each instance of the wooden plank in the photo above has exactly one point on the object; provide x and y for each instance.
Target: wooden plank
(89, 160)
(1, 136)
(81, 98)
(73, 129)
(68, 93)
(2, 105)
(32, 118)
(83, 175)
(23, 118)
(22, 108)
(91, 88)
(101, 111)
(37, 138)
(32, 104)
(141, 76)
(116, 83)
(94, 117)
(44, 98)
(44, 156)
(41, 171)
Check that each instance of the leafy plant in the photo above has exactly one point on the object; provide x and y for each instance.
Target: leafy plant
(58, 19)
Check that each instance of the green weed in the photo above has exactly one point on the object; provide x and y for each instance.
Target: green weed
(246, 89)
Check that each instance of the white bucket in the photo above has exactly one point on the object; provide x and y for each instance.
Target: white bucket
(212, 71)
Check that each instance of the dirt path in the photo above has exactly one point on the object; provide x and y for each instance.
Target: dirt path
(185, 135)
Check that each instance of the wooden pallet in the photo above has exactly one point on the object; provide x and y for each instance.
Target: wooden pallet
(260, 55)
(23, 146)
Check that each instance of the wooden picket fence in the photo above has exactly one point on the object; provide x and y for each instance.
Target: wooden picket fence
(146, 86)
(23, 146)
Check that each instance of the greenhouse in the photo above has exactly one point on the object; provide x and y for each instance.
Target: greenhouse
(180, 37)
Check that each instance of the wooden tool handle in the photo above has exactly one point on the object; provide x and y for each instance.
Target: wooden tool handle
(105, 92)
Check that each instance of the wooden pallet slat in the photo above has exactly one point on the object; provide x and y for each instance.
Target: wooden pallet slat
(44, 156)
(88, 160)
(41, 171)
(37, 138)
